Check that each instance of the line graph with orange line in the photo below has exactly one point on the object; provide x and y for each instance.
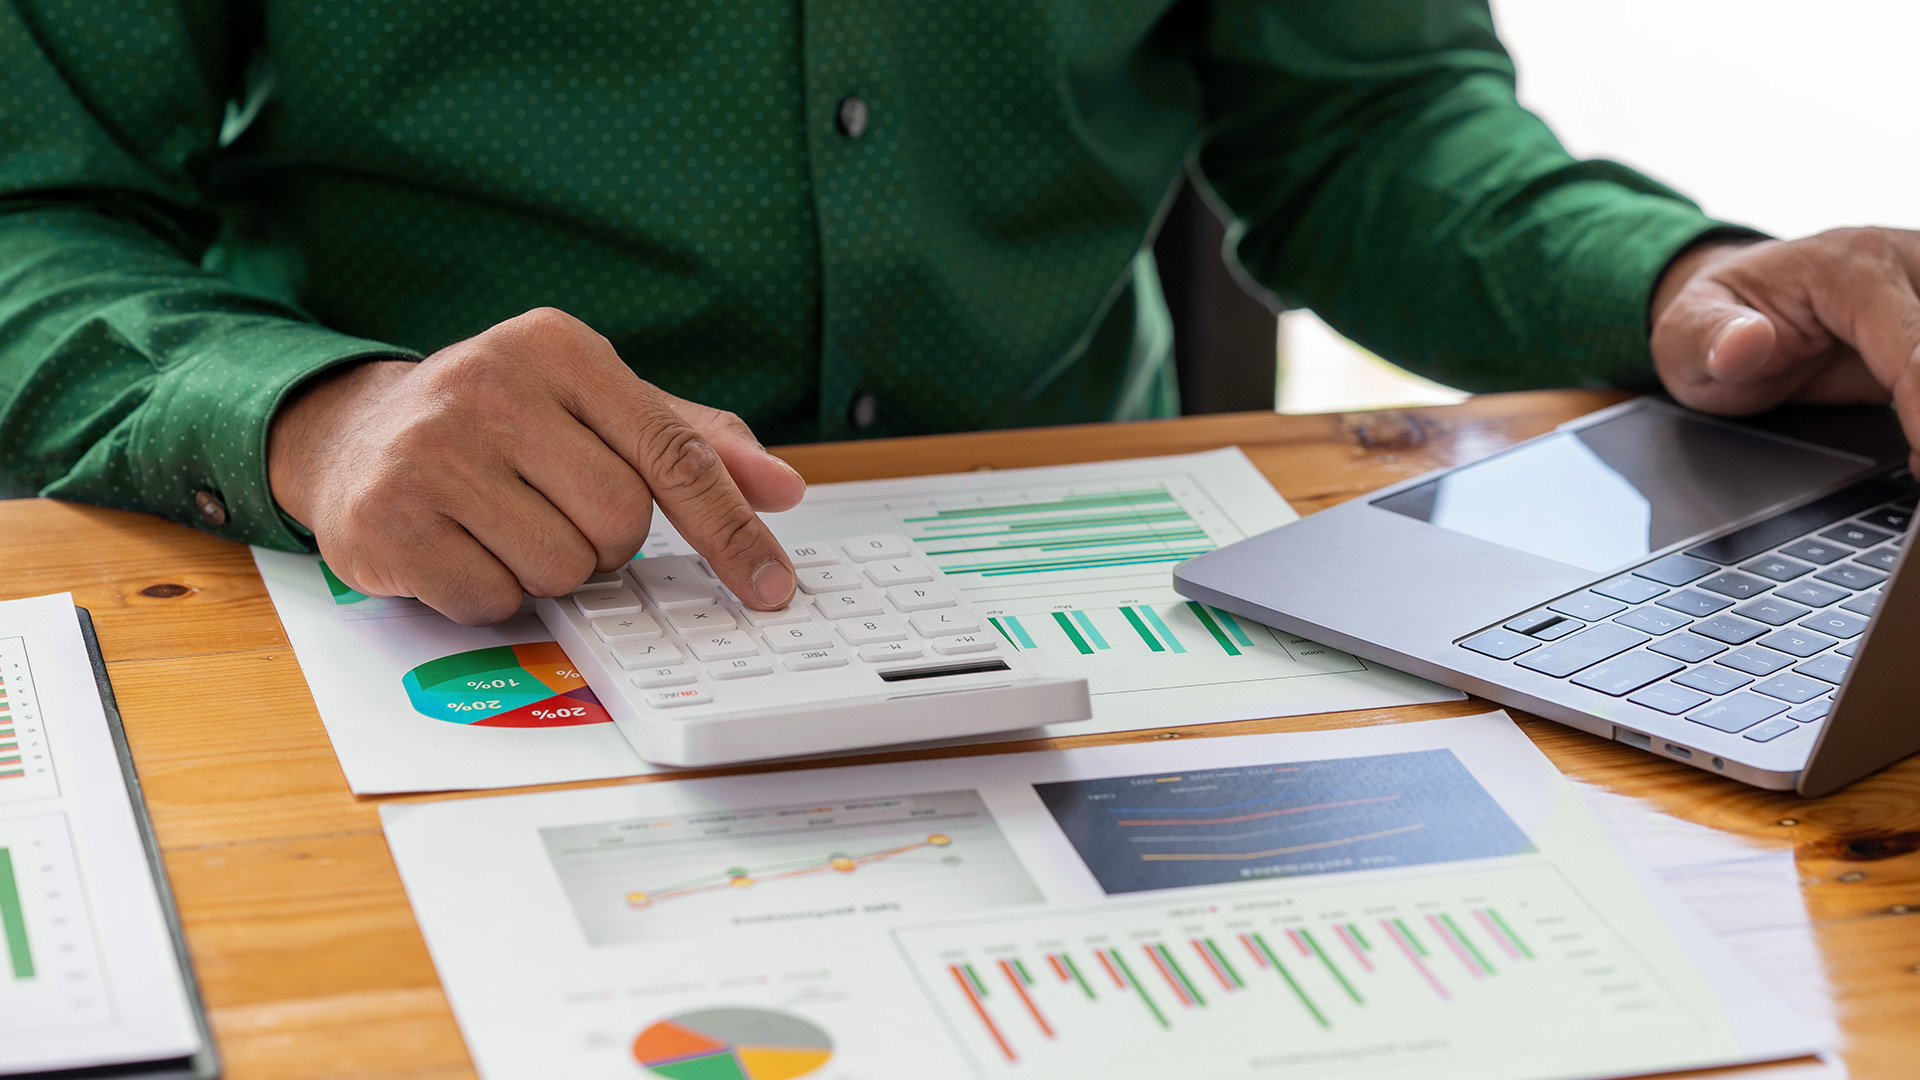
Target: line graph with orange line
(1257, 822)
(786, 868)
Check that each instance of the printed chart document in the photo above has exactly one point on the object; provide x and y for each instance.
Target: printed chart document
(1073, 563)
(88, 971)
(1423, 901)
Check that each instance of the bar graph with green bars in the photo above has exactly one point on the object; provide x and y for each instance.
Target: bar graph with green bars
(13, 919)
(1096, 531)
(1088, 632)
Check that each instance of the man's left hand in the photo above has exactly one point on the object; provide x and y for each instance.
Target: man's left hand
(1742, 327)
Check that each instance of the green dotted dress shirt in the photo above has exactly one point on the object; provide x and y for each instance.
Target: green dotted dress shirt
(837, 218)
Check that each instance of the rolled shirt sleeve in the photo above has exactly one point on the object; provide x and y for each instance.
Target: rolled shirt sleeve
(1382, 173)
(129, 376)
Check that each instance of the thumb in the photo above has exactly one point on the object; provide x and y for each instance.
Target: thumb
(1707, 335)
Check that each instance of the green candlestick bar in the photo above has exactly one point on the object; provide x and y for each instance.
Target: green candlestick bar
(13, 920)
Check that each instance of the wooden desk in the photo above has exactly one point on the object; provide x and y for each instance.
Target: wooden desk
(310, 958)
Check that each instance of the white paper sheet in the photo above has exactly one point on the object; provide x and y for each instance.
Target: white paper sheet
(1093, 597)
(88, 973)
(1423, 900)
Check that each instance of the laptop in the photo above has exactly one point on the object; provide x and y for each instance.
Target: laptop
(1733, 595)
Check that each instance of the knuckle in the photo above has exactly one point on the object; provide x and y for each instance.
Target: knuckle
(484, 608)
(620, 525)
(558, 572)
(684, 464)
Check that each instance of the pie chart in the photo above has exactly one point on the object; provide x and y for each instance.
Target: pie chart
(732, 1044)
(510, 686)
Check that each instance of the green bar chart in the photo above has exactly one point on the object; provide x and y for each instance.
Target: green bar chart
(1089, 532)
(13, 920)
(1450, 962)
(50, 976)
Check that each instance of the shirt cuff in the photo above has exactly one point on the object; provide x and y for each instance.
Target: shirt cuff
(200, 456)
(1606, 290)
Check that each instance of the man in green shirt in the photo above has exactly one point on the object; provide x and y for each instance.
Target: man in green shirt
(231, 230)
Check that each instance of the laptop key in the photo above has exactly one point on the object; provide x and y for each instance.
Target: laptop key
(1880, 558)
(1796, 689)
(1626, 673)
(1691, 648)
(1735, 584)
(1797, 642)
(1816, 551)
(1713, 680)
(1500, 644)
(1811, 593)
(1676, 570)
(1860, 536)
(1668, 698)
(1742, 544)
(1847, 649)
(1694, 602)
(1772, 729)
(1829, 668)
(1889, 517)
(1771, 610)
(1531, 621)
(1729, 628)
(1863, 604)
(1653, 620)
(1755, 660)
(1777, 567)
(1588, 606)
(1737, 713)
(1582, 650)
(1811, 711)
(1630, 589)
(1841, 624)
(1852, 575)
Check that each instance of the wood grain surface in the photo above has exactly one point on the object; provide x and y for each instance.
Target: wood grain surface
(312, 963)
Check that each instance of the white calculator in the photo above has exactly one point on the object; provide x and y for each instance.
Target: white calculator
(875, 648)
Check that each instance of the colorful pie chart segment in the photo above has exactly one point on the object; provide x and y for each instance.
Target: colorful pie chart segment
(514, 686)
(733, 1044)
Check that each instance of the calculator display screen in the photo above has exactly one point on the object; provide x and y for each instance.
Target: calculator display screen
(1609, 494)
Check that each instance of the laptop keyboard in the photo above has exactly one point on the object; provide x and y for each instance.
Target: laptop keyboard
(1748, 633)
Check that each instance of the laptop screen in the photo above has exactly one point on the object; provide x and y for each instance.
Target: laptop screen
(1612, 493)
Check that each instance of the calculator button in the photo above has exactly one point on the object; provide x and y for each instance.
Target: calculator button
(722, 646)
(672, 581)
(686, 695)
(847, 605)
(796, 611)
(897, 571)
(700, 620)
(892, 650)
(636, 627)
(600, 581)
(638, 654)
(816, 658)
(834, 577)
(935, 623)
(815, 553)
(618, 600)
(878, 546)
(869, 631)
(964, 643)
(663, 676)
(786, 639)
(920, 597)
(743, 668)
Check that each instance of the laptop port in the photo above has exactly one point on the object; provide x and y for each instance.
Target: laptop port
(1633, 738)
(1680, 752)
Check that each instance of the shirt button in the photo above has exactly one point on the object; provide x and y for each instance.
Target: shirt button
(212, 510)
(853, 116)
(863, 411)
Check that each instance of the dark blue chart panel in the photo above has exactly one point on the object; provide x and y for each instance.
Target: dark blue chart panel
(1281, 820)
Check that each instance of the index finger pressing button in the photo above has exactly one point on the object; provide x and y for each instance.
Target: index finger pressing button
(672, 581)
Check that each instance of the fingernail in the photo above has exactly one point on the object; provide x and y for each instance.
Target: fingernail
(795, 472)
(1720, 338)
(773, 584)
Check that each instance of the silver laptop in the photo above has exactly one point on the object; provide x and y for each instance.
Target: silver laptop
(1728, 594)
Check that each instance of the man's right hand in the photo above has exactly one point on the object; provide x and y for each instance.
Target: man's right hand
(520, 460)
